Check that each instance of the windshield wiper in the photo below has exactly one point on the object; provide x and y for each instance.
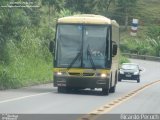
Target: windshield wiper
(79, 54)
(90, 57)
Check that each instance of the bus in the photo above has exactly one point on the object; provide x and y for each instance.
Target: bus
(85, 53)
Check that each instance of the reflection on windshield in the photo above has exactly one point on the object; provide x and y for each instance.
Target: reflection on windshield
(69, 40)
(90, 57)
(74, 39)
(95, 37)
(132, 67)
(74, 60)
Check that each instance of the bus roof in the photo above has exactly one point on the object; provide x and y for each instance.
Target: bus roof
(86, 19)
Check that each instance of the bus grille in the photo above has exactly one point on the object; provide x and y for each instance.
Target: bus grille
(82, 74)
(88, 74)
(76, 74)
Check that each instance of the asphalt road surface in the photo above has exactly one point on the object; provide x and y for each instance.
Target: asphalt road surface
(44, 99)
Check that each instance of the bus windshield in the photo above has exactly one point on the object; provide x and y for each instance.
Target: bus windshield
(81, 46)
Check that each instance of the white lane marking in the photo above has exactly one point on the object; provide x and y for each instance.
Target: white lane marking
(19, 98)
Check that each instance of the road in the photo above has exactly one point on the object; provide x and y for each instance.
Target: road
(44, 99)
(147, 100)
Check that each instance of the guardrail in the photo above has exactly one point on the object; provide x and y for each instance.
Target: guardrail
(143, 57)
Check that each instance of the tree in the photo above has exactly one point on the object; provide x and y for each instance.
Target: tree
(88, 6)
(78, 5)
(101, 5)
(125, 8)
(56, 5)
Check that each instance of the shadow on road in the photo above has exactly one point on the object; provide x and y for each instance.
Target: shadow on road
(84, 92)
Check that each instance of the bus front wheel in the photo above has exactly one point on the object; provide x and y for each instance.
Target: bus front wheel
(105, 91)
(62, 90)
(112, 89)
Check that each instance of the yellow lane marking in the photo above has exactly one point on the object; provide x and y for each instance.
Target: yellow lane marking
(109, 106)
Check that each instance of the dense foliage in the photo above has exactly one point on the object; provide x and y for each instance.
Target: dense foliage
(26, 31)
(146, 43)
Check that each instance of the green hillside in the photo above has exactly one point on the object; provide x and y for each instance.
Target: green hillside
(147, 41)
(149, 12)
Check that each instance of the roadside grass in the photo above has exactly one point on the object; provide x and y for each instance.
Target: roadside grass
(124, 59)
(30, 62)
(25, 72)
(145, 43)
(148, 35)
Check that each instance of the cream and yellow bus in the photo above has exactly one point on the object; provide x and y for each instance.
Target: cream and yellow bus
(85, 53)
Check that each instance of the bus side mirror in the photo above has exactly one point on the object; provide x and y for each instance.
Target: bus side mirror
(114, 48)
(51, 46)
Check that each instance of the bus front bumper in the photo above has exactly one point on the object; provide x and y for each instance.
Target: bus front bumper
(81, 82)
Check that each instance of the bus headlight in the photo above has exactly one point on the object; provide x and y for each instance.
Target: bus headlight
(61, 73)
(103, 75)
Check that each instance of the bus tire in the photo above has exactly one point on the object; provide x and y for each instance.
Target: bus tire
(105, 91)
(112, 89)
(61, 89)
